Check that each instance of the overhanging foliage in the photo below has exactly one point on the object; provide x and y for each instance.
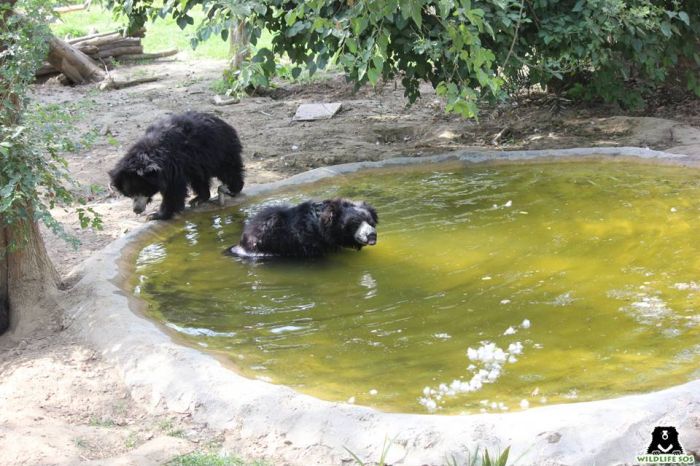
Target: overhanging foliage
(466, 49)
(33, 175)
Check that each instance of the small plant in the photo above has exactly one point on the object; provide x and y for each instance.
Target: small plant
(101, 422)
(220, 87)
(81, 443)
(96, 189)
(89, 218)
(168, 427)
(132, 440)
(481, 459)
(165, 425)
(120, 408)
(382, 457)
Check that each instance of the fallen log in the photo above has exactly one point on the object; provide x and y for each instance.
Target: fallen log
(111, 83)
(73, 63)
(78, 59)
(87, 49)
(45, 70)
(107, 41)
(149, 56)
(76, 40)
(119, 51)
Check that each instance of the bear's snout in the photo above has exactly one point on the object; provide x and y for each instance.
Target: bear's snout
(366, 234)
(140, 203)
(372, 239)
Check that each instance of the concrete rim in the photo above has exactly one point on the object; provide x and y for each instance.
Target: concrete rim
(275, 421)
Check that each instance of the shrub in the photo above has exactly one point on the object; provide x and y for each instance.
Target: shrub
(468, 50)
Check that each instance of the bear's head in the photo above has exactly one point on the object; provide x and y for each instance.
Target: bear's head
(136, 176)
(349, 224)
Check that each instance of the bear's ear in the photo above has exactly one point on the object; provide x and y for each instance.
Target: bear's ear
(331, 211)
(147, 165)
(148, 169)
(372, 211)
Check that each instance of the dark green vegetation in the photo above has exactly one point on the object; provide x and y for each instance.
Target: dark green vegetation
(613, 50)
(569, 282)
(33, 176)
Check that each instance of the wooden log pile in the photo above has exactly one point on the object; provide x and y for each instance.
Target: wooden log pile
(104, 48)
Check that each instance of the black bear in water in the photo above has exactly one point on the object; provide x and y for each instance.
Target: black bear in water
(177, 151)
(309, 229)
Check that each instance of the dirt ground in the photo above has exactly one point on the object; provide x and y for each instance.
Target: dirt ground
(60, 403)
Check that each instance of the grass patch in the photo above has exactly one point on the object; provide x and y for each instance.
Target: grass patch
(213, 459)
(169, 429)
(79, 23)
(101, 422)
(132, 440)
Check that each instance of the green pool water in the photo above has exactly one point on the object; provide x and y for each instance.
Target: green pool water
(589, 272)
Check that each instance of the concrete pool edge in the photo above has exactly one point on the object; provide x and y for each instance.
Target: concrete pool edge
(276, 421)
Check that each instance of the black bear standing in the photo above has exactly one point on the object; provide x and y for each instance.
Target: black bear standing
(664, 441)
(190, 148)
(309, 229)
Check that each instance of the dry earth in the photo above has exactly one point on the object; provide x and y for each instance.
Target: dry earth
(60, 403)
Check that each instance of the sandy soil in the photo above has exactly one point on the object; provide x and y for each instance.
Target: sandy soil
(60, 403)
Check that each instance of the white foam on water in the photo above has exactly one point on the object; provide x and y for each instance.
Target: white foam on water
(487, 364)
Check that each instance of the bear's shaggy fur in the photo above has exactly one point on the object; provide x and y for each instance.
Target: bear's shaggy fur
(176, 151)
(664, 441)
(309, 229)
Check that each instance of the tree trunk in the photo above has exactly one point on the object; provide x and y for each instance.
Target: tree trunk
(238, 45)
(73, 63)
(28, 284)
(4, 290)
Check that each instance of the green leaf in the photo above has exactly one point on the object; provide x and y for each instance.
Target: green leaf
(351, 45)
(406, 8)
(359, 25)
(373, 75)
(475, 17)
(666, 29)
(416, 13)
(291, 17)
(182, 22)
(361, 71)
(296, 28)
(445, 8)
